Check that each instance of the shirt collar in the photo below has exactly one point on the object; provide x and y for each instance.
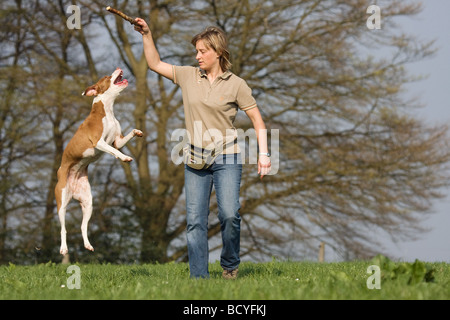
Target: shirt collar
(202, 73)
(223, 76)
(226, 75)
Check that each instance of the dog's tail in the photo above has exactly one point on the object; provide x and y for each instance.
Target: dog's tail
(63, 173)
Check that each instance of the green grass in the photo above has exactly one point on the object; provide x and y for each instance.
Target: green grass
(274, 280)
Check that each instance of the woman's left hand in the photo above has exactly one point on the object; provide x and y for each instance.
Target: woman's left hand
(264, 165)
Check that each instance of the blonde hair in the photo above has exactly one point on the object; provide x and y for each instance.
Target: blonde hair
(216, 39)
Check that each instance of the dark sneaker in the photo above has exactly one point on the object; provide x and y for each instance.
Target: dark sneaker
(230, 274)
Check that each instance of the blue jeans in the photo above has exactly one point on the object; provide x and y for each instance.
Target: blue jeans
(225, 175)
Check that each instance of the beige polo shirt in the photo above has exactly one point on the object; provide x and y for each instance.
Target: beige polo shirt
(210, 109)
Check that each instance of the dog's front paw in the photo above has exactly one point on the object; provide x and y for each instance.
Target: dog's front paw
(127, 159)
(138, 133)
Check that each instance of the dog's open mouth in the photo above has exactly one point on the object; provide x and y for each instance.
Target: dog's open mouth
(119, 80)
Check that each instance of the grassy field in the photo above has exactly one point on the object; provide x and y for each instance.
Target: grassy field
(274, 280)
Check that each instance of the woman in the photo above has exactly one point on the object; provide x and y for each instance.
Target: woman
(211, 98)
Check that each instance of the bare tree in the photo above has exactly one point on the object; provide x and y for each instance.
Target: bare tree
(353, 158)
(44, 75)
(352, 154)
(19, 130)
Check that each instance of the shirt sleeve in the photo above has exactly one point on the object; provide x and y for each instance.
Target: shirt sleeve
(245, 99)
(181, 74)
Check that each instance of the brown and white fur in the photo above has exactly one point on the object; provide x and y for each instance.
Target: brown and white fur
(100, 132)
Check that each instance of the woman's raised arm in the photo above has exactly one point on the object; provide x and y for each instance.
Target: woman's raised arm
(151, 54)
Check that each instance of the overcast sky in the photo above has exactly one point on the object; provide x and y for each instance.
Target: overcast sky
(434, 92)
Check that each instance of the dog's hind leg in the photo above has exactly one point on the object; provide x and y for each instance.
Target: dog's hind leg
(62, 197)
(65, 198)
(83, 194)
(86, 206)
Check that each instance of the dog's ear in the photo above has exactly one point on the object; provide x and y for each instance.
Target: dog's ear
(90, 91)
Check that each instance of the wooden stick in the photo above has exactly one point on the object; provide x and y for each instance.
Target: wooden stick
(121, 14)
(322, 252)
